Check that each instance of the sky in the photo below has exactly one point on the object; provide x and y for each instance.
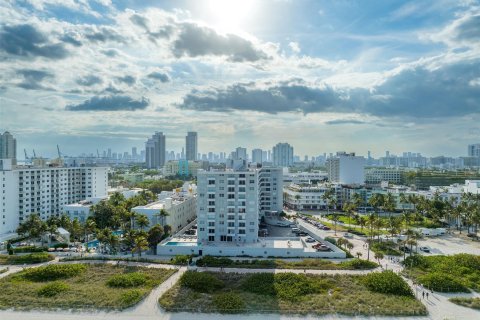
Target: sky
(323, 76)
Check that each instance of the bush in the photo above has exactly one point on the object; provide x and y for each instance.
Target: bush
(356, 232)
(201, 281)
(54, 272)
(209, 261)
(387, 282)
(358, 264)
(52, 289)
(130, 297)
(30, 249)
(442, 282)
(30, 258)
(387, 248)
(180, 260)
(228, 302)
(127, 280)
(467, 302)
(287, 286)
(60, 245)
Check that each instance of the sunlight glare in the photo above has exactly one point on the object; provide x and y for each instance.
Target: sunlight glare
(229, 15)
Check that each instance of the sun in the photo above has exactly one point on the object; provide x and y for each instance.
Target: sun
(228, 16)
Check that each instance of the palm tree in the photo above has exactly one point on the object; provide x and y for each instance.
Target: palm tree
(129, 239)
(155, 236)
(88, 228)
(163, 214)
(140, 245)
(328, 197)
(378, 256)
(359, 254)
(349, 208)
(371, 219)
(389, 203)
(362, 221)
(142, 221)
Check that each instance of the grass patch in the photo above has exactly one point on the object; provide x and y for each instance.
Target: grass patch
(125, 259)
(288, 293)
(229, 302)
(127, 280)
(457, 273)
(473, 303)
(87, 287)
(31, 258)
(317, 264)
(200, 281)
(387, 282)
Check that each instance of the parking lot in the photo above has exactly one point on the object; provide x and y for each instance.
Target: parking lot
(449, 244)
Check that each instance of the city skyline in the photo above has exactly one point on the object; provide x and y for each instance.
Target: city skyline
(347, 75)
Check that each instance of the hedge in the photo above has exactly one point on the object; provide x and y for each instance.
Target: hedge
(387, 282)
(201, 281)
(54, 272)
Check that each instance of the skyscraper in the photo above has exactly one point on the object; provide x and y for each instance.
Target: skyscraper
(8, 147)
(191, 141)
(283, 155)
(155, 151)
(257, 155)
(346, 168)
(474, 150)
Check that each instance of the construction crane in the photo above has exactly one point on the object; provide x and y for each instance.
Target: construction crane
(34, 155)
(98, 154)
(26, 156)
(59, 154)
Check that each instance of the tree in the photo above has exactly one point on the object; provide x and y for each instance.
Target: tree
(349, 246)
(328, 197)
(88, 228)
(378, 256)
(140, 244)
(155, 236)
(359, 254)
(103, 213)
(142, 221)
(389, 203)
(371, 219)
(167, 229)
(116, 199)
(34, 227)
(349, 209)
(76, 229)
(129, 239)
(362, 221)
(163, 214)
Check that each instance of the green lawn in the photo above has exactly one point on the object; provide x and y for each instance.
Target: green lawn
(457, 273)
(285, 293)
(83, 286)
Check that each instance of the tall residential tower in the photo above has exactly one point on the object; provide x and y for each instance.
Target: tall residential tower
(191, 144)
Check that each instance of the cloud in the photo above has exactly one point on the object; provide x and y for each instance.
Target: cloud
(195, 41)
(143, 22)
(160, 76)
(26, 41)
(294, 46)
(110, 103)
(411, 93)
(71, 40)
(105, 34)
(32, 79)
(110, 53)
(468, 28)
(344, 121)
(130, 80)
(89, 80)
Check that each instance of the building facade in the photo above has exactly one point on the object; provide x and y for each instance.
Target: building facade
(346, 168)
(257, 156)
(474, 150)
(8, 147)
(231, 203)
(44, 191)
(191, 146)
(282, 155)
(155, 151)
(375, 176)
(184, 168)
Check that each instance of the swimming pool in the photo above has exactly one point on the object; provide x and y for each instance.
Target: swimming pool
(181, 244)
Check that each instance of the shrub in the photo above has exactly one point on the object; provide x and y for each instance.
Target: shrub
(181, 260)
(387, 282)
(54, 272)
(130, 297)
(416, 261)
(331, 240)
(60, 245)
(209, 261)
(442, 282)
(467, 302)
(358, 264)
(30, 249)
(52, 289)
(201, 281)
(387, 248)
(228, 302)
(287, 286)
(127, 280)
(30, 258)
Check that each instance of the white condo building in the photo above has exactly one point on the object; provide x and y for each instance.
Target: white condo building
(346, 168)
(180, 204)
(257, 156)
(44, 190)
(230, 203)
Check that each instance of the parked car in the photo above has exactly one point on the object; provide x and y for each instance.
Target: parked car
(472, 235)
(302, 234)
(425, 249)
(326, 228)
(348, 235)
(405, 249)
(295, 230)
(309, 239)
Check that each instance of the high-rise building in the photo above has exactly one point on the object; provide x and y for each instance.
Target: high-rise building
(231, 203)
(257, 156)
(474, 150)
(283, 155)
(240, 154)
(44, 191)
(346, 168)
(8, 147)
(155, 151)
(191, 145)
(134, 153)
